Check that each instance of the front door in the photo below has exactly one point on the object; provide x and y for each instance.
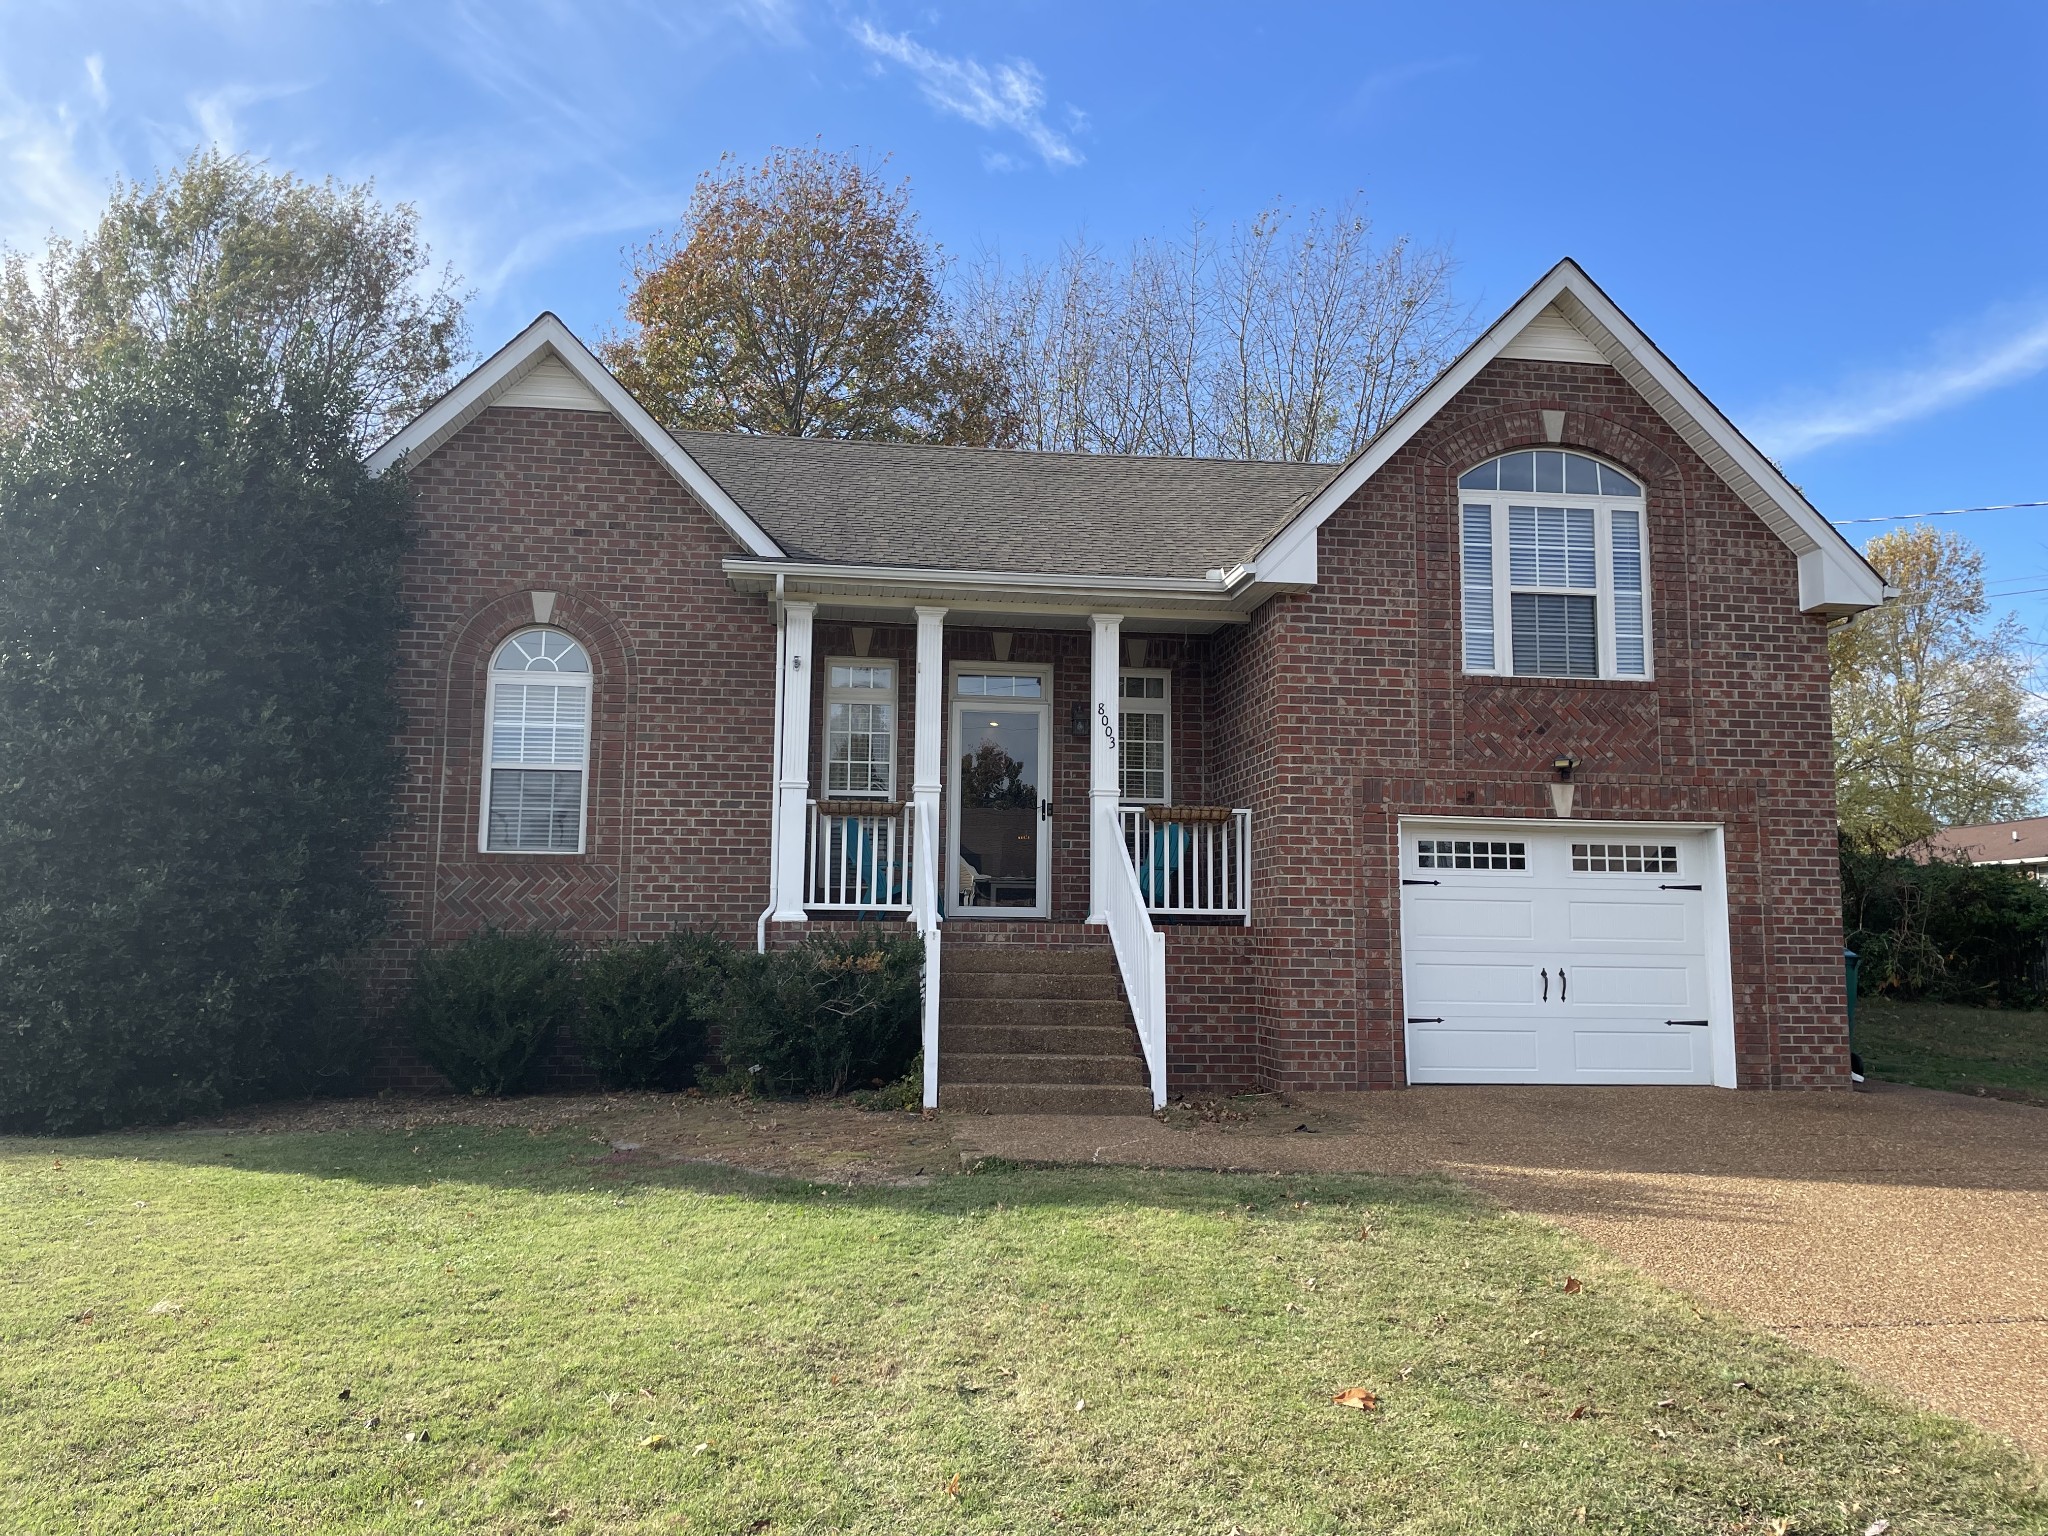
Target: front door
(1001, 847)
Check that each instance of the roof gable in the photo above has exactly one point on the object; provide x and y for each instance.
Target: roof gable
(1566, 317)
(546, 366)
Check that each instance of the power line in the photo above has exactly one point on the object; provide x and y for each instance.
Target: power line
(1903, 517)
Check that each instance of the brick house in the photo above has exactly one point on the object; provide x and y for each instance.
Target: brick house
(1500, 753)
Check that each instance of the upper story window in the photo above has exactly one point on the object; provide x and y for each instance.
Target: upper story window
(1551, 547)
(1143, 737)
(860, 729)
(537, 756)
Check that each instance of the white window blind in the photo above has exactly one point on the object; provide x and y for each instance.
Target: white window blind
(1571, 598)
(1143, 737)
(537, 749)
(860, 729)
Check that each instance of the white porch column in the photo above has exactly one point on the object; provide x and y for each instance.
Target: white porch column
(930, 745)
(792, 790)
(1103, 712)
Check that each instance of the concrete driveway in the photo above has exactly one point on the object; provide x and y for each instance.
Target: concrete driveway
(1901, 1231)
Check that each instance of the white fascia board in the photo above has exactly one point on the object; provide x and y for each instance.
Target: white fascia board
(1842, 581)
(549, 337)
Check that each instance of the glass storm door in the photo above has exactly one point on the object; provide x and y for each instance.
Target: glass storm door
(1001, 845)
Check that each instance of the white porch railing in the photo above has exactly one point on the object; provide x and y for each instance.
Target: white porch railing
(1195, 868)
(1140, 954)
(859, 862)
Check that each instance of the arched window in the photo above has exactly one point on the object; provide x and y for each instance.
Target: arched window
(1552, 548)
(537, 751)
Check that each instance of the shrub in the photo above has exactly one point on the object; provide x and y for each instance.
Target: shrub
(644, 1008)
(822, 1016)
(485, 1009)
(1944, 931)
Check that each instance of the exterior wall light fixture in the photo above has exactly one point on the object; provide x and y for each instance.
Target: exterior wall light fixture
(1561, 791)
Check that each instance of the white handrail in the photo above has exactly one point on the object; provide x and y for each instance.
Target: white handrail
(1140, 951)
(924, 912)
(1192, 868)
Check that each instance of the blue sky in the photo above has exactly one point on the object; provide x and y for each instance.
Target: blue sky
(1831, 216)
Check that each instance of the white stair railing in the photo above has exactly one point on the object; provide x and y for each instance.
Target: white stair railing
(1140, 951)
(859, 860)
(1192, 864)
(924, 912)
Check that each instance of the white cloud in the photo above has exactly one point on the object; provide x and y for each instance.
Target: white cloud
(96, 79)
(54, 170)
(1010, 96)
(2010, 347)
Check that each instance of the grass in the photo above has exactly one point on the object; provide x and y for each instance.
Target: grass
(2002, 1052)
(469, 1330)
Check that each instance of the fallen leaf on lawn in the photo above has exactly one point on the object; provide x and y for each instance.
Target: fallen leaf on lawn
(1781, 1527)
(1356, 1397)
(1579, 1412)
(1877, 1528)
(1572, 1285)
(953, 1486)
(558, 1514)
(1080, 1403)
(656, 1443)
(702, 1447)
(83, 1317)
(1665, 1402)
(166, 1307)
(1660, 1431)
(1582, 1514)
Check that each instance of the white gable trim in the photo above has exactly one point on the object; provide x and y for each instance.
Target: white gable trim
(498, 381)
(1833, 577)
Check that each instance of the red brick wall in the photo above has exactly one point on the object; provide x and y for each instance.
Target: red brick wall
(569, 502)
(1357, 683)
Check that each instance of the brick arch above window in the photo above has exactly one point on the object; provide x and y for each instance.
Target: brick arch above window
(465, 692)
(1517, 427)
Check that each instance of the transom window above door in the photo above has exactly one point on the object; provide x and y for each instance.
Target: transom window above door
(860, 729)
(1551, 549)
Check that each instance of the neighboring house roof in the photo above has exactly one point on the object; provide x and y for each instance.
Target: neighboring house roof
(1995, 842)
(904, 504)
(1566, 315)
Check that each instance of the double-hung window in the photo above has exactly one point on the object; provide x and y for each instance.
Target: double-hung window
(1551, 549)
(860, 730)
(1144, 730)
(537, 752)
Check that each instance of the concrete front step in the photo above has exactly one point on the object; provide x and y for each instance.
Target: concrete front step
(1044, 1099)
(1039, 1067)
(958, 959)
(1072, 985)
(1098, 1013)
(1036, 1040)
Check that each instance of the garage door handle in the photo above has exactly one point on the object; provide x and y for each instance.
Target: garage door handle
(1546, 984)
(1677, 887)
(1422, 882)
(1687, 1023)
(1425, 1021)
(1562, 983)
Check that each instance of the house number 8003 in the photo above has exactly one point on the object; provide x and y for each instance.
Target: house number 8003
(1108, 730)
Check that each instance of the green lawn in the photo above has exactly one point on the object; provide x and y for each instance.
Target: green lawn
(476, 1330)
(1964, 1050)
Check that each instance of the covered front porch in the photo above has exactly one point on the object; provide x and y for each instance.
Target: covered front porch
(1001, 760)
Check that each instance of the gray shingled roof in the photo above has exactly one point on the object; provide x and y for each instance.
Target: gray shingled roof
(998, 510)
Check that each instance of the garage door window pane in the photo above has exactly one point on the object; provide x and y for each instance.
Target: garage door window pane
(1625, 858)
(1470, 853)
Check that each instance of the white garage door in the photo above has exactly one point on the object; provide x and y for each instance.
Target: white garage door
(1540, 954)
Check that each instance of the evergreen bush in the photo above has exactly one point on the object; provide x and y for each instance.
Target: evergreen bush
(645, 1007)
(826, 1015)
(198, 619)
(486, 1009)
(1944, 930)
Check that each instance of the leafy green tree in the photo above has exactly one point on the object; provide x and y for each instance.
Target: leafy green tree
(1934, 725)
(198, 616)
(800, 299)
(336, 292)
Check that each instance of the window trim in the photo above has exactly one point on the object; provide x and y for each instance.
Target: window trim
(492, 679)
(1164, 708)
(1602, 592)
(858, 696)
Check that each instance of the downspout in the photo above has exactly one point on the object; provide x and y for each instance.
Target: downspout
(775, 779)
